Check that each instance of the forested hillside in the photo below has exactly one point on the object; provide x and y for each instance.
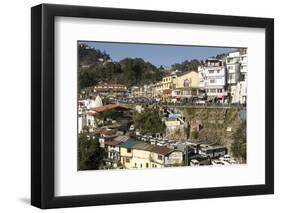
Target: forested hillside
(96, 66)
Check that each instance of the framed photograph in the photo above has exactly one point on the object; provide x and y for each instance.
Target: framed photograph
(136, 106)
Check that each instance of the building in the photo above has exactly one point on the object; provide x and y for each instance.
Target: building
(233, 67)
(112, 148)
(168, 83)
(212, 78)
(186, 85)
(126, 153)
(137, 91)
(243, 78)
(236, 64)
(90, 112)
(110, 89)
(86, 114)
(212, 151)
(135, 154)
(82, 118)
(107, 136)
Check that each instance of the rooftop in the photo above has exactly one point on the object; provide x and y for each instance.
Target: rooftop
(109, 107)
(112, 143)
(110, 85)
(121, 138)
(129, 144)
(162, 150)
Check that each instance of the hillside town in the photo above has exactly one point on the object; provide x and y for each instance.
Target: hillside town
(145, 126)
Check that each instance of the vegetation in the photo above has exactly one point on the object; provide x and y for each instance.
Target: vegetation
(149, 121)
(88, 55)
(187, 65)
(112, 114)
(96, 66)
(239, 146)
(195, 134)
(90, 154)
(221, 56)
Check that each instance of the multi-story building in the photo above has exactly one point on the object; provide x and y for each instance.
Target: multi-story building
(157, 90)
(137, 91)
(243, 78)
(187, 85)
(106, 89)
(168, 83)
(212, 78)
(135, 154)
(236, 64)
(233, 67)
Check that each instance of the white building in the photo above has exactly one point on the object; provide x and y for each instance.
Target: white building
(82, 118)
(233, 67)
(243, 78)
(212, 78)
(86, 115)
(236, 64)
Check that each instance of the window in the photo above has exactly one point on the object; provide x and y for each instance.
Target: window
(242, 77)
(141, 166)
(129, 150)
(186, 83)
(230, 68)
(211, 71)
(146, 165)
(160, 157)
(127, 160)
(136, 165)
(212, 81)
(231, 76)
(219, 90)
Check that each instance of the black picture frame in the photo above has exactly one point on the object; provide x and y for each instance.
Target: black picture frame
(43, 102)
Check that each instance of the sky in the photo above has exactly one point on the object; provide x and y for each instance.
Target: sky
(156, 54)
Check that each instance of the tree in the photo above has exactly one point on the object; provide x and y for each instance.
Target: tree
(195, 134)
(187, 65)
(239, 146)
(129, 71)
(149, 122)
(90, 154)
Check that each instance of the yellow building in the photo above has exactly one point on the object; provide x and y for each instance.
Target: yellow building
(167, 84)
(188, 79)
(186, 85)
(126, 153)
(179, 85)
(139, 155)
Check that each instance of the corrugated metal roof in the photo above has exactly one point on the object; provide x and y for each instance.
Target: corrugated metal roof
(129, 144)
(162, 150)
(121, 138)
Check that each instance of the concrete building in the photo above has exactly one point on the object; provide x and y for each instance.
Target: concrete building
(212, 151)
(236, 64)
(186, 85)
(110, 89)
(168, 83)
(135, 154)
(126, 153)
(243, 78)
(212, 78)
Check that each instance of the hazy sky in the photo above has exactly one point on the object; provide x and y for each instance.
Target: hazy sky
(156, 54)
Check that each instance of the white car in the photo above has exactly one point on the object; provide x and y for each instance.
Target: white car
(132, 128)
(199, 102)
(194, 162)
